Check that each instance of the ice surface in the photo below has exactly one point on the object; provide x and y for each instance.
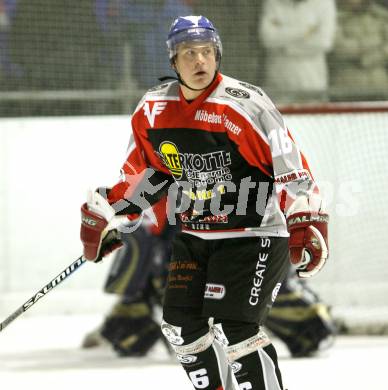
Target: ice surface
(43, 353)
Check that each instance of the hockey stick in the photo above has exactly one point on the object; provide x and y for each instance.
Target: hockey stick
(43, 291)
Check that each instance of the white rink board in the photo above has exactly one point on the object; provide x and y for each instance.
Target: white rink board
(348, 157)
(47, 165)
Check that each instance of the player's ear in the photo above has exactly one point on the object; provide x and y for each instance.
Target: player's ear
(173, 64)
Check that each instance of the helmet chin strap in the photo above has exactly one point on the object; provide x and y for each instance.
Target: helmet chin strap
(181, 81)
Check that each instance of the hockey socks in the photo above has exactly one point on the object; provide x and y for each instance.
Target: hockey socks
(201, 356)
(258, 370)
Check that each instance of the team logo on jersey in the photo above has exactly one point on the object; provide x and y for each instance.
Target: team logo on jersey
(237, 93)
(156, 109)
(170, 154)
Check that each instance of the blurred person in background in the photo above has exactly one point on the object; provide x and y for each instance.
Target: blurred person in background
(297, 35)
(140, 28)
(359, 61)
(9, 71)
(242, 48)
(56, 44)
(151, 42)
(114, 27)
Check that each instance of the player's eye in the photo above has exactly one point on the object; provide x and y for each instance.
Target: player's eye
(190, 53)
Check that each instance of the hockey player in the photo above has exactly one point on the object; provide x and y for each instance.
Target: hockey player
(225, 144)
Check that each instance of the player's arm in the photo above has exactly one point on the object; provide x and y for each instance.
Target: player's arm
(302, 204)
(139, 188)
(267, 144)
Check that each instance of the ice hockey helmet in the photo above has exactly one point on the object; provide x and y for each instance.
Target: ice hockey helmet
(192, 28)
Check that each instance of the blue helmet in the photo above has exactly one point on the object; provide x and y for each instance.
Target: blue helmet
(192, 28)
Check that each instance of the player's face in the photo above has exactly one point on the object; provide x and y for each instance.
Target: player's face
(196, 63)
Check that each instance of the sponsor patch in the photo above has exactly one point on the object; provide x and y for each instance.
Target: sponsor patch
(170, 155)
(237, 93)
(302, 174)
(261, 267)
(204, 116)
(232, 127)
(214, 291)
(185, 217)
(200, 169)
(252, 87)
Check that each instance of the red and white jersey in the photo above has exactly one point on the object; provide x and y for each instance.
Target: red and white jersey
(227, 150)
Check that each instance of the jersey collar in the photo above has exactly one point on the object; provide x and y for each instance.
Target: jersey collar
(194, 104)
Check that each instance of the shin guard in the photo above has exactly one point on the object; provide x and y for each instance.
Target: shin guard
(254, 360)
(203, 359)
(258, 370)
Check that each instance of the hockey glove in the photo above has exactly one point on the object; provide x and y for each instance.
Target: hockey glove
(98, 237)
(308, 237)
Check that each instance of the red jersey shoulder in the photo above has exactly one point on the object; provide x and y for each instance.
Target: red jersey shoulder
(154, 104)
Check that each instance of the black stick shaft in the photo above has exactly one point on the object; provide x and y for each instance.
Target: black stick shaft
(43, 291)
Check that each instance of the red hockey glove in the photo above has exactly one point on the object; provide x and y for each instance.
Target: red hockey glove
(97, 237)
(308, 237)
